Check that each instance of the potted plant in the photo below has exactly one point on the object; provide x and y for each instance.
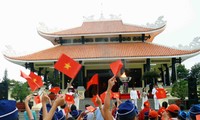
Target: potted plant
(150, 77)
(19, 92)
(180, 90)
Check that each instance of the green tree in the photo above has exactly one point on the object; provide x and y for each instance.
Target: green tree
(150, 77)
(182, 72)
(180, 89)
(195, 72)
(20, 91)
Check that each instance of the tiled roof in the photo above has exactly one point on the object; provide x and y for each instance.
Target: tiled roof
(104, 51)
(102, 27)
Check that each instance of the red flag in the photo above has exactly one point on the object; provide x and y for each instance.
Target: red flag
(55, 90)
(24, 75)
(161, 93)
(93, 81)
(103, 95)
(37, 99)
(67, 66)
(93, 99)
(115, 94)
(35, 82)
(90, 108)
(69, 99)
(116, 66)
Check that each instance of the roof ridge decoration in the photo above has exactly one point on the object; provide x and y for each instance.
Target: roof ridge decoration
(158, 23)
(92, 18)
(194, 45)
(43, 28)
(9, 51)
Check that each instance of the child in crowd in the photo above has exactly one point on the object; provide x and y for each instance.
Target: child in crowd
(29, 114)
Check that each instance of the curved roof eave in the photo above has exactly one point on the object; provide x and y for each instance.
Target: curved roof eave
(184, 57)
(52, 37)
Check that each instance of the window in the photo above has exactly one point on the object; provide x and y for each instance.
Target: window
(137, 38)
(114, 39)
(67, 41)
(126, 38)
(76, 40)
(101, 39)
(88, 39)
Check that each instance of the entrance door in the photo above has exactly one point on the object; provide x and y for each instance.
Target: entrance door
(136, 74)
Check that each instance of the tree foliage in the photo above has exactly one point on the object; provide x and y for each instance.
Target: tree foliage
(150, 76)
(180, 89)
(182, 72)
(195, 72)
(20, 91)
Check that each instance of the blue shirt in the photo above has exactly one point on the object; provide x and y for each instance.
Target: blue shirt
(33, 113)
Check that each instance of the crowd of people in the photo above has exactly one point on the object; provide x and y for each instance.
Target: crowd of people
(56, 108)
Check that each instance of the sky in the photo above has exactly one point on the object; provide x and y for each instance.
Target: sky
(20, 20)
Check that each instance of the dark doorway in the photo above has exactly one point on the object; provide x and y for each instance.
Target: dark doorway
(104, 76)
(136, 75)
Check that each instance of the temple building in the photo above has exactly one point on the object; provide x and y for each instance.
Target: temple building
(95, 44)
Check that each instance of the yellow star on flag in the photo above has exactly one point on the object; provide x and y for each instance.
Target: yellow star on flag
(67, 66)
(34, 80)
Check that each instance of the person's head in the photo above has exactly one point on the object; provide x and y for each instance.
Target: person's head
(161, 111)
(147, 104)
(127, 111)
(133, 88)
(155, 85)
(194, 110)
(153, 115)
(164, 104)
(73, 107)
(173, 110)
(86, 105)
(75, 113)
(8, 110)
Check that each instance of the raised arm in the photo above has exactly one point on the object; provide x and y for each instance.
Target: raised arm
(106, 108)
(45, 98)
(60, 101)
(99, 102)
(28, 110)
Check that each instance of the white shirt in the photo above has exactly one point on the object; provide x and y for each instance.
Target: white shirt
(154, 92)
(133, 94)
